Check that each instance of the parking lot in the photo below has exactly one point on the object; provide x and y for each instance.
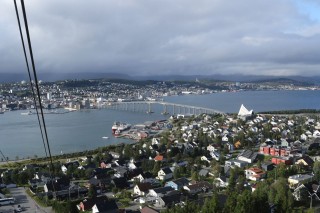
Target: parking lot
(26, 203)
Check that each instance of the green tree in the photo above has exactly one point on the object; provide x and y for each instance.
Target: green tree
(6, 178)
(23, 178)
(156, 168)
(240, 183)
(211, 205)
(177, 173)
(282, 195)
(231, 203)
(244, 202)
(92, 191)
(194, 175)
(316, 170)
(232, 181)
(260, 197)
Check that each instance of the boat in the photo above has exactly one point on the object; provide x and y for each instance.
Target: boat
(120, 127)
(105, 137)
(26, 113)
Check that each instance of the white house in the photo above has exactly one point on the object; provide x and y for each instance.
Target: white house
(225, 138)
(303, 137)
(294, 180)
(159, 192)
(165, 174)
(316, 134)
(155, 141)
(254, 174)
(211, 148)
(141, 189)
(215, 155)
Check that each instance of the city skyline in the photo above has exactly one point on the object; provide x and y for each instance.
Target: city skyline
(161, 38)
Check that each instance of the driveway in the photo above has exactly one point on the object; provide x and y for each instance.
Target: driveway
(27, 203)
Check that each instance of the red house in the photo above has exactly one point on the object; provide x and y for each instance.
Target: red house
(286, 161)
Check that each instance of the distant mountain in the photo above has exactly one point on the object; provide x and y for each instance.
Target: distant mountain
(243, 78)
(285, 81)
(17, 77)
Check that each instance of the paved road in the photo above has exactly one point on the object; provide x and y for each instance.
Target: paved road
(23, 199)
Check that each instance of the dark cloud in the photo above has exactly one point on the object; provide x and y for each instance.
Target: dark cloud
(162, 37)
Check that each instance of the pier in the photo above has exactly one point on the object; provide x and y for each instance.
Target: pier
(168, 108)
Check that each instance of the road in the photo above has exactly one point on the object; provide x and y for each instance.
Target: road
(27, 203)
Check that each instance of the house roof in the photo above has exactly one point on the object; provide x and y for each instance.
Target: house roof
(94, 181)
(202, 184)
(101, 170)
(257, 170)
(88, 203)
(222, 178)
(163, 189)
(53, 186)
(73, 163)
(147, 209)
(181, 181)
(144, 186)
(133, 173)
(172, 199)
(147, 175)
(267, 163)
(249, 154)
(166, 170)
(159, 158)
(203, 172)
(306, 159)
(107, 205)
(120, 182)
(301, 177)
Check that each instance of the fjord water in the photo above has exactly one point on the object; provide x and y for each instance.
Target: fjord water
(83, 130)
(259, 101)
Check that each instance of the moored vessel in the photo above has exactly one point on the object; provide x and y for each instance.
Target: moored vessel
(26, 113)
(120, 127)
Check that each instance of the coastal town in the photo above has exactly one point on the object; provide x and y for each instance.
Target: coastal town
(160, 106)
(98, 93)
(243, 162)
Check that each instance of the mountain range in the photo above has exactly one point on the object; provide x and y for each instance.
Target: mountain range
(17, 77)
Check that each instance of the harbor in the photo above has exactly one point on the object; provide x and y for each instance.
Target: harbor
(142, 131)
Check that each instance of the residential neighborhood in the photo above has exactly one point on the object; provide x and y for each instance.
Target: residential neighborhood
(243, 162)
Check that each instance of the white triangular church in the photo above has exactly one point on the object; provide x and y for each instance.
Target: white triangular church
(244, 113)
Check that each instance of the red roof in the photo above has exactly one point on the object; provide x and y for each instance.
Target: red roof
(159, 158)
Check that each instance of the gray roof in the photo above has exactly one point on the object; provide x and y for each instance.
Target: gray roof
(163, 189)
(249, 154)
(166, 170)
(203, 172)
(181, 181)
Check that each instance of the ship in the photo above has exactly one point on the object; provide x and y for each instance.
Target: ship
(26, 113)
(120, 127)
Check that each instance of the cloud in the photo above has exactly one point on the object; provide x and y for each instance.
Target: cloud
(163, 37)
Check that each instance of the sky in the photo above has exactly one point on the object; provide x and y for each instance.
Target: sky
(164, 37)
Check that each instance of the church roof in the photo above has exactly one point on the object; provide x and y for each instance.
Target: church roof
(244, 112)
